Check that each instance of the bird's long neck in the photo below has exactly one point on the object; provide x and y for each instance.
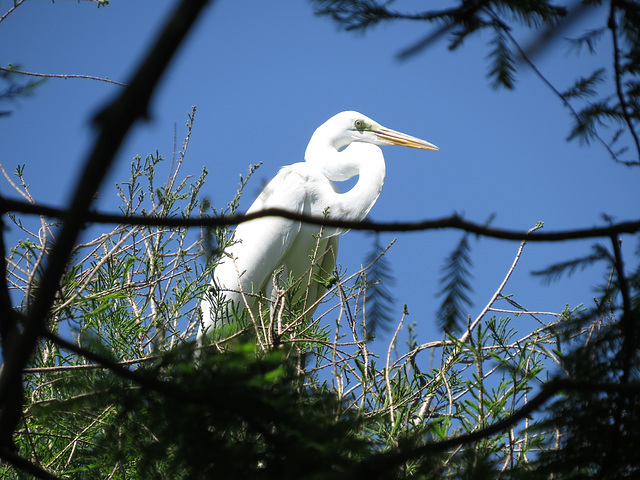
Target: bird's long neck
(320, 149)
(366, 161)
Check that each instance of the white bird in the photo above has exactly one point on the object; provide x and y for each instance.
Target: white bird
(271, 244)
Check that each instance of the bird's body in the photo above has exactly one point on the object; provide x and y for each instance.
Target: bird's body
(341, 148)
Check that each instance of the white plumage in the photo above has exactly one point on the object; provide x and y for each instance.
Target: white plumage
(341, 148)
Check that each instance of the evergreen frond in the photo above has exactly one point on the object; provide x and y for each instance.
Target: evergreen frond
(531, 13)
(470, 25)
(557, 270)
(585, 87)
(502, 70)
(353, 14)
(379, 299)
(633, 92)
(595, 114)
(589, 39)
(455, 275)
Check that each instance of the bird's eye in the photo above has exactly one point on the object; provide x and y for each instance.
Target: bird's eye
(358, 124)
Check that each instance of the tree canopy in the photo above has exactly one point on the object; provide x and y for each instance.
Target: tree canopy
(101, 377)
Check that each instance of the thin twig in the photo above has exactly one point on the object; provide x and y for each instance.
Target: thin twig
(465, 336)
(114, 123)
(507, 32)
(63, 76)
(613, 26)
(16, 4)
(377, 467)
(387, 368)
(500, 288)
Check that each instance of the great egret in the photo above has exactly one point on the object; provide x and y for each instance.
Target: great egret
(266, 245)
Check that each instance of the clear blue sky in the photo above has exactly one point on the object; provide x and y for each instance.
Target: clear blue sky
(264, 75)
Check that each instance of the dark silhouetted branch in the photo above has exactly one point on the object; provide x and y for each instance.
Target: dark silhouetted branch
(113, 124)
(617, 69)
(27, 466)
(452, 222)
(379, 467)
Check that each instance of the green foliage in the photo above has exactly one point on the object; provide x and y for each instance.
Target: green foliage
(311, 397)
(455, 275)
(600, 417)
(600, 427)
(588, 40)
(128, 295)
(233, 415)
(306, 397)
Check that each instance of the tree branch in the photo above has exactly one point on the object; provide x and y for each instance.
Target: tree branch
(451, 222)
(53, 75)
(380, 466)
(613, 26)
(26, 466)
(525, 58)
(16, 4)
(113, 122)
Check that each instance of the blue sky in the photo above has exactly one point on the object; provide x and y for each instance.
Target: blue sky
(264, 75)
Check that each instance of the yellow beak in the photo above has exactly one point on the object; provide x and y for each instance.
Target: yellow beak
(402, 139)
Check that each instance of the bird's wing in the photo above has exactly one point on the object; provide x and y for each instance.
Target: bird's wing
(263, 243)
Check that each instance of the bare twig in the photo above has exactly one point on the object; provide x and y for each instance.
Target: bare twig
(378, 467)
(500, 288)
(472, 326)
(387, 378)
(16, 4)
(114, 123)
(63, 76)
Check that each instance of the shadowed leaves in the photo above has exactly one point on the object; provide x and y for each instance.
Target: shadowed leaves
(455, 276)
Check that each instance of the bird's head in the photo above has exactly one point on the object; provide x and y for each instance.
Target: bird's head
(348, 127)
